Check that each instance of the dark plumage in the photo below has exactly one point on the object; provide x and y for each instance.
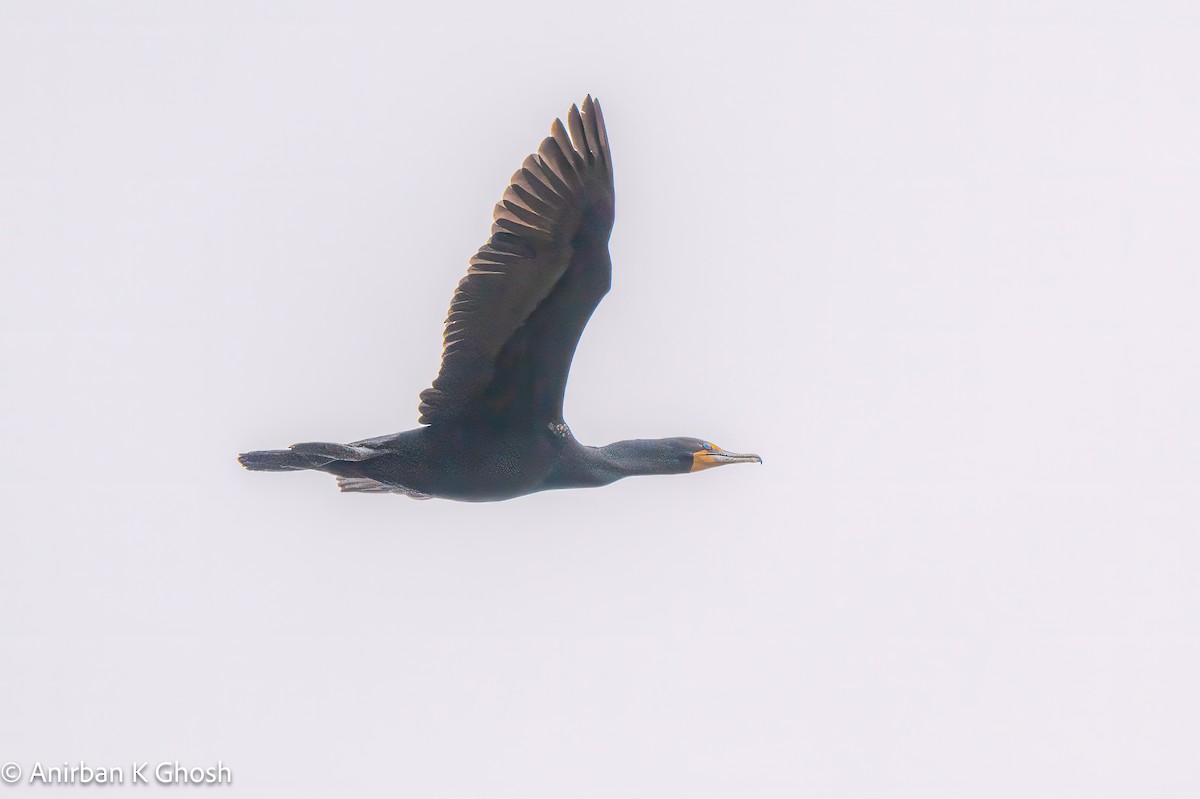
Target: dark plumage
(493, 418)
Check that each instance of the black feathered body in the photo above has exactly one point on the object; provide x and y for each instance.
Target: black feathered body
(482, 461)
(475, 462)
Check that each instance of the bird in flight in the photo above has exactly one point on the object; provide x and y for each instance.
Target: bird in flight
(493, 421)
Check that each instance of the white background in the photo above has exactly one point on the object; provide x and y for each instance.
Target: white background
(936, 262)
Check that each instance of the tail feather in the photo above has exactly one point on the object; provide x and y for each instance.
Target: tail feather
(309, 455)
(340, 452)
(341, 460)
(280, 460)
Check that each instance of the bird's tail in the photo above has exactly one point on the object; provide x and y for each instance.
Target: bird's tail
(276, 460)
(313, 455)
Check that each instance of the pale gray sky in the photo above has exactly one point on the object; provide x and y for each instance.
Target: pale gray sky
(936, 262)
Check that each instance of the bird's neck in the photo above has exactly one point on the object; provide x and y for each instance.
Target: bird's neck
(598, 466)
(631, 459)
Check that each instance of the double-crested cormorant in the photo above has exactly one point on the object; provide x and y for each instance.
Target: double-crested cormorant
(493, 418)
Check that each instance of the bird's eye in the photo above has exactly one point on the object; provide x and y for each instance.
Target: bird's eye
(708, 446)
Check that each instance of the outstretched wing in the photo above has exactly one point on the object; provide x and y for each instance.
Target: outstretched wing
(516, 317)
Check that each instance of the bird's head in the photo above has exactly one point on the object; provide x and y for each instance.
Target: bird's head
(705, 455)
(666, 456)
(673, 455)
